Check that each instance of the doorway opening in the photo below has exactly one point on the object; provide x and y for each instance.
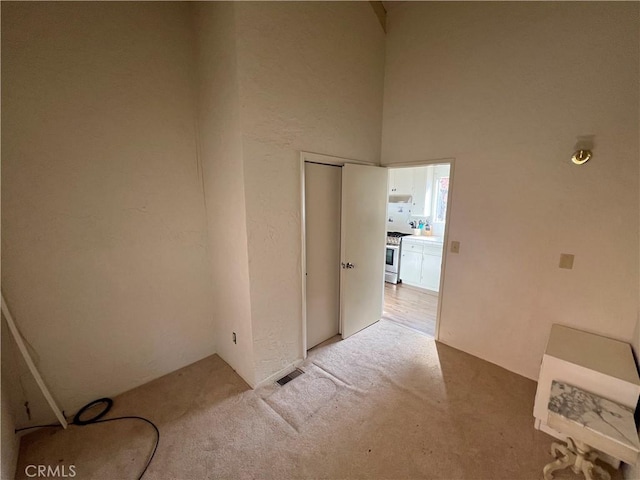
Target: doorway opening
(417, 216)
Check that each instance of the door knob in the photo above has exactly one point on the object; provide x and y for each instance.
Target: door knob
(348, 265)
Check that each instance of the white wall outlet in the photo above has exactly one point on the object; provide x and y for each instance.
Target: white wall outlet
(455, 246)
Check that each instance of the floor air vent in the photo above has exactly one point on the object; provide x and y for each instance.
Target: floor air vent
(287, 378)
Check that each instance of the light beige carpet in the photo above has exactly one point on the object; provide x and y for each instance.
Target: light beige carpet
(387, 403)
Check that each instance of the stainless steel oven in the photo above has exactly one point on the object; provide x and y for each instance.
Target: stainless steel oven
(392, 264)
(394, 250)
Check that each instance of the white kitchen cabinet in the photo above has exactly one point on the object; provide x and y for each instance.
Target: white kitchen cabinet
(416, 182)
(393, 173)
(401, 181)
(430, 271)
(420, 180)
(420, 263)
(424, 184)
(411, 267)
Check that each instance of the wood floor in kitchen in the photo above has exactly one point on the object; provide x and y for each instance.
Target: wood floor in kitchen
(411, 307)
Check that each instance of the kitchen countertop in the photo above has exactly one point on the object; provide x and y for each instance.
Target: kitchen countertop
(425, 238)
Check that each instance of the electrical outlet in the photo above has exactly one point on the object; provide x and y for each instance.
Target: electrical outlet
(234, 338)
(455, 246)
(566, 261)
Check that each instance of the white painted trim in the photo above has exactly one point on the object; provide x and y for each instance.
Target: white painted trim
(421, 163)
(31, 365)
(343, 259)
(279, 374)
(329, 160)
(325, 160)
(445, 249)
(303, 261)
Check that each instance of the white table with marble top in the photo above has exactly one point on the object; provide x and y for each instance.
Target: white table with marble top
(592, 424)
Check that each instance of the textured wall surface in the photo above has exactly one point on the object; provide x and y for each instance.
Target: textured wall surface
(506, 88)
(104, 253)
(106, 200)
(9, 439)
(221, 156)
(311, 78)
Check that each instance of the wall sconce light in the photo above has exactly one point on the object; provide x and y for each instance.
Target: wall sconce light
(581, 156)
(583, 149)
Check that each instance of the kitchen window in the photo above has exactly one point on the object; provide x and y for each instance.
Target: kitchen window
(441, 195)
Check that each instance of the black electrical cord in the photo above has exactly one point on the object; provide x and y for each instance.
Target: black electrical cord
(108, 404)
(98, 419)
(135, 417)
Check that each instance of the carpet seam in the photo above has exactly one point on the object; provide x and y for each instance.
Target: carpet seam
(332, 374)
(279, 415)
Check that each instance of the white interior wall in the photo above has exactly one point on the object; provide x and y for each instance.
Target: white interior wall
(104, 243)
(631, 472)
(19, 389)
(505, 89)
(9, 442)
(12, 400)
(221, 157)
(104, 254)
(9, 439)
(311, 78)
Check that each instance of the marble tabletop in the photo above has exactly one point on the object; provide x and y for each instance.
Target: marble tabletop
(588, 410)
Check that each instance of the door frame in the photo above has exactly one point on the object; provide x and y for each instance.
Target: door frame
(322, 160)
(445, 239)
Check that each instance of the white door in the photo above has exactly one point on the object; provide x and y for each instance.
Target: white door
(322, 238)
(363, 246)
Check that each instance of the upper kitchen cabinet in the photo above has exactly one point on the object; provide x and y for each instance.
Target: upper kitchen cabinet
(412, 181)
(427, 186)
(401, 181)
(421, 201)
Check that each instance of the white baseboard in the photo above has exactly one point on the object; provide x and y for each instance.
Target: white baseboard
(279, 374)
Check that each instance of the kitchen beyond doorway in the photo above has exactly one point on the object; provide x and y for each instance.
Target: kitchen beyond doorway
(417, 220)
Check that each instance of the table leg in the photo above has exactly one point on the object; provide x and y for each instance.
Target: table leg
(568, 459)
(577, 455)
(602, 473)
